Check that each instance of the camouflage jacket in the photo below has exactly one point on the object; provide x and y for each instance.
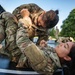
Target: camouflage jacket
(35, 11)
(8, 29)
(43, 60)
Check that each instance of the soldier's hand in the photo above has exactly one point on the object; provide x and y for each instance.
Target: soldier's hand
(43, 43)
(0, 46)
(24, 12)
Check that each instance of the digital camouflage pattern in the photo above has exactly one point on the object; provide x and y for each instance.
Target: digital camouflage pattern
(35, 11)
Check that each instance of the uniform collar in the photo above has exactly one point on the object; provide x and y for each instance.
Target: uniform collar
(53, 55)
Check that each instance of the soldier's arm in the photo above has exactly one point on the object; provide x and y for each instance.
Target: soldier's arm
(24, 13)
(29, 49)
(22, 37)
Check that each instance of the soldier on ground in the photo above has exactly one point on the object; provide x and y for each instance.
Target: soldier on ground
(45, 59)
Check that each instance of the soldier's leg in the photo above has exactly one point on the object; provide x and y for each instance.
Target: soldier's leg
(2, 32)
(11, 28)
(2, 50)
(22, 61)
(10, 31)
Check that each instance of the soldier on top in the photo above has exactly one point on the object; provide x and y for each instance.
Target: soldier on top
(42, 20)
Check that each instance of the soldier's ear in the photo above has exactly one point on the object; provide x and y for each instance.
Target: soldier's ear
(67, 58)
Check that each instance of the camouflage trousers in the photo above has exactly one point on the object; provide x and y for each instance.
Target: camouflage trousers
(8, 29)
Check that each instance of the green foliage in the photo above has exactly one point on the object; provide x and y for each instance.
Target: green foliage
(51, 32)
(68, 27)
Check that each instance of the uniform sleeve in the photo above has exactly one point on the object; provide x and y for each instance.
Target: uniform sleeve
(22, 37)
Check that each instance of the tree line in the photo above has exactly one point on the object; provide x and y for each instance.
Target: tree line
(67, 27)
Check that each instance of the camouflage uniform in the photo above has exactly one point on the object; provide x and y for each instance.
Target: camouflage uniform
(43, 60)
(8, 29)
(35, 11)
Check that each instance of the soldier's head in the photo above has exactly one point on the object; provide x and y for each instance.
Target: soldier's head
(71, 64)
(66, 51)
(48, 19)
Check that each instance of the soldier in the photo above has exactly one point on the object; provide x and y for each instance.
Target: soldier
(44, 59)
(26, 22)
(42, 20)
